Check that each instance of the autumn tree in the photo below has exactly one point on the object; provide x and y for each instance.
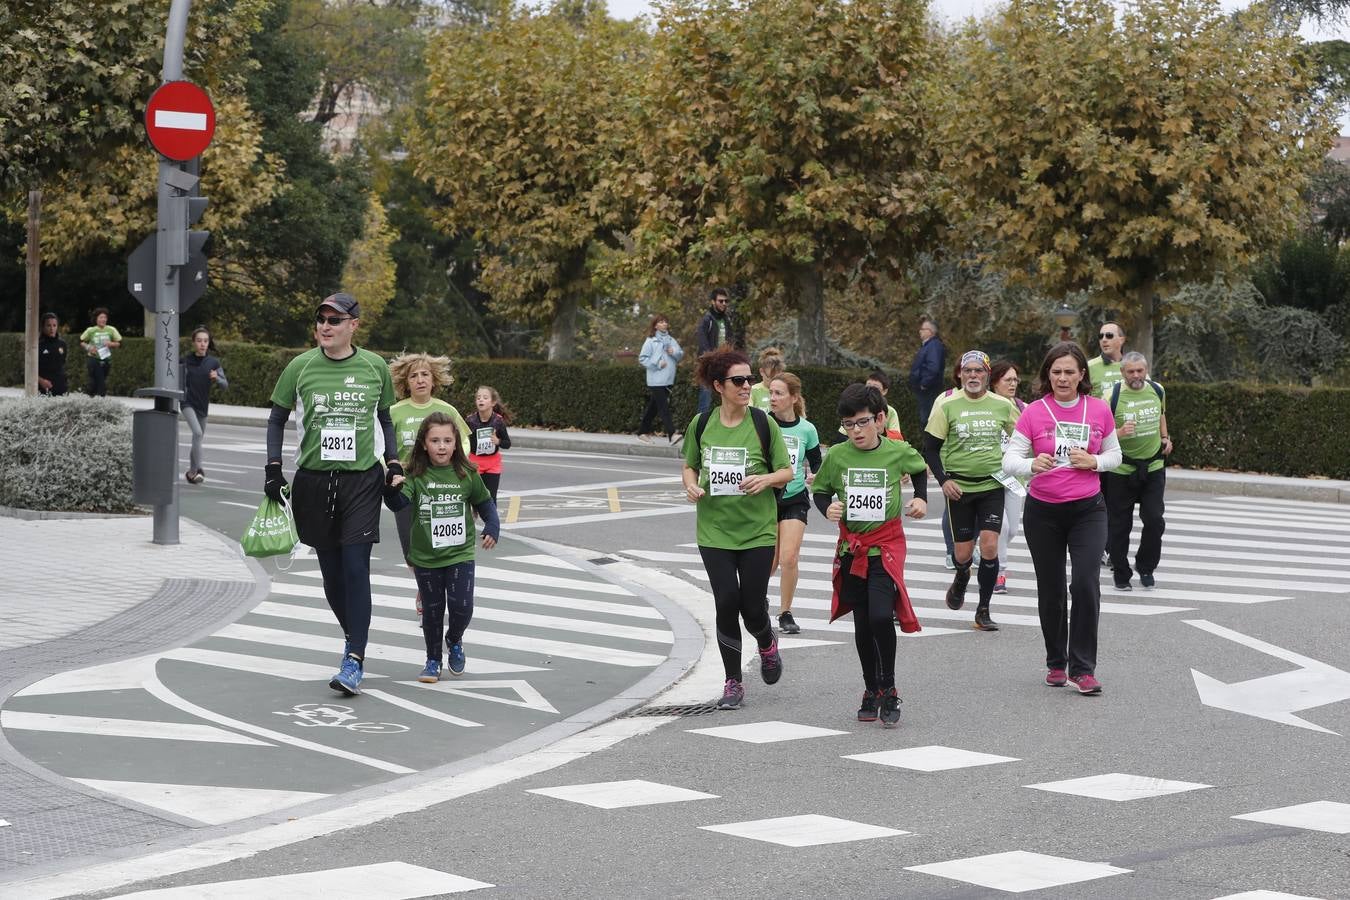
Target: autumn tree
(1127, 152)
(782, 144)
(523, 119)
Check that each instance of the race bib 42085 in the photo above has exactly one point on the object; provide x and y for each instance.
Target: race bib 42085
(447, 525)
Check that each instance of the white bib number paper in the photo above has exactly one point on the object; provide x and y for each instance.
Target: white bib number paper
(337, 444)
(726, 470)
(447, 525)
(865, 490)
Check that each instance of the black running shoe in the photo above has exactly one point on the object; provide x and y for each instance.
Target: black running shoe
(788, 625)
(890, 708)
(867, 710)
(982, 620)
(1146, 581)
(956, 594)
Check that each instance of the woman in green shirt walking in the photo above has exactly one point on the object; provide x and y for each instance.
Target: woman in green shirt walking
(734, 459)
(99, 341)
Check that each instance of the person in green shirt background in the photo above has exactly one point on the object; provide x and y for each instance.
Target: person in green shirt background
(771, 365)
(415, 376)
(789, 411)
(882, 382)
(99, 341)
(734, 459)
(1104, 369)
(1140, 408)
(441, 487)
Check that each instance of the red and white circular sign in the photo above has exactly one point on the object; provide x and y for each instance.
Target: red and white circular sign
(180, 120)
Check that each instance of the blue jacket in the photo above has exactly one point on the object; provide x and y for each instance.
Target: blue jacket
(653, 352)
(926, 375)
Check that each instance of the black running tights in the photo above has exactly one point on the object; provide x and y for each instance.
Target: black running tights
(740, 586)
(346, 584)
(873, 602)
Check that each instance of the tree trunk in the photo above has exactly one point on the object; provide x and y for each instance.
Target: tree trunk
(806, 292)
(32, 296)
(1140, 335)
(562, 335)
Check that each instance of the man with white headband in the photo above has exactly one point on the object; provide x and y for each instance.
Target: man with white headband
(962, 446)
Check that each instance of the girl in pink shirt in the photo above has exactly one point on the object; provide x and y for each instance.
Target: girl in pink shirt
(1063, 440)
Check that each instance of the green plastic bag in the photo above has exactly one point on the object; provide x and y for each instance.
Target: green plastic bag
(272, 531)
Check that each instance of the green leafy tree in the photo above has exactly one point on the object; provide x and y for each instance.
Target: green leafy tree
(782, 145)
(523, 120)
(369, 273)
(1128, 152)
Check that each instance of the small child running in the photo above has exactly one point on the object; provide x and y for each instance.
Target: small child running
(864, 474)
(441, 485)
(488, 436)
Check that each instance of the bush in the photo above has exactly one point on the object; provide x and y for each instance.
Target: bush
(66, 453)
(1243, 427)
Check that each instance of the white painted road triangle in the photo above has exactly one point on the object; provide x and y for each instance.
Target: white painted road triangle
(482, 690)
(125, 728)
(182, 121)
(381, 881)
(209, 804)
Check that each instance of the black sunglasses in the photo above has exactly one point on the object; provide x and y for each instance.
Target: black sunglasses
(738, 380)
(331, 320)
(1107, 334)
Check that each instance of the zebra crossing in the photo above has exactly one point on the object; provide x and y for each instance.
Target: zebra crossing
(1222, 550)
(242, 722)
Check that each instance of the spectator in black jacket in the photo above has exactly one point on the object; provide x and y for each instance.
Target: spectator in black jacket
(718, 326)
(927, 375)
(51, 358)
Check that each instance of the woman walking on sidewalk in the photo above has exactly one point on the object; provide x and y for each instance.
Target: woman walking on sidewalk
(1063, 441)
(488, 436)
(734, 458)
(201, 370)
(441, 487)
(803, 445)
(661, 353)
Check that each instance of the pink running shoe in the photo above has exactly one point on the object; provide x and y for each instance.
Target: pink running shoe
(1056, 678)
(732, 695)
(1086, 684)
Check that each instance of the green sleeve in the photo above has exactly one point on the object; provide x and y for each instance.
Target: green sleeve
(825, 476)
(86, 334)
(692, 452)
(116, 335)
(409, 488)
(937, 423)
(911, 461)
(284, 393)
(386, 388)
(892, 418)
(812, 438)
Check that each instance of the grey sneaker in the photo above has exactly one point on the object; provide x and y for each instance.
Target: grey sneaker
(787, 624)
(890, 708)
(732, 695)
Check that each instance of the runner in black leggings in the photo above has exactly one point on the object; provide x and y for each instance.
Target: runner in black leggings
(731, 477)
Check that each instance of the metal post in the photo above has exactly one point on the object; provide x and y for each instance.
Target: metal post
(171, 252)
(32, 330)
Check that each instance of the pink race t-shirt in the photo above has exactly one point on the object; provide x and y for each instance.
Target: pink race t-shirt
(1053, 429)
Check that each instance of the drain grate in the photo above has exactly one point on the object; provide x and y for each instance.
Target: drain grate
(695, 709)
(602, 561)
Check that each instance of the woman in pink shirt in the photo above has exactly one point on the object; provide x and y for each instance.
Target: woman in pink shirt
(1063, 440)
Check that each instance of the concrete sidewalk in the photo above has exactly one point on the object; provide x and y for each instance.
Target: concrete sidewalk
(1194, 480)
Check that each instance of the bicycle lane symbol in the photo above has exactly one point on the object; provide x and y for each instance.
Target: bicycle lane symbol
(330, 715)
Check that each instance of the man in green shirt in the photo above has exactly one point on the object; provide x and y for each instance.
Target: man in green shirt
(342, 395)
(1140, 407)
(963, 445)
(1104, 370)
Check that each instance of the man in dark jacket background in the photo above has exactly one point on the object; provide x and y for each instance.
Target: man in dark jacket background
(51, 358)
(926, 378)
(717, 327)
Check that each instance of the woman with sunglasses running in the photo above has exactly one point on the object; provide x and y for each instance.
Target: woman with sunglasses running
(734, 459)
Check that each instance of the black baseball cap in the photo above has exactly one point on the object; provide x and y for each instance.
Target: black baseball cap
(343, 303)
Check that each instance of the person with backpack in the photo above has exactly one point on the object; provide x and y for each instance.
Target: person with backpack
(735, 463)
(1140, 408)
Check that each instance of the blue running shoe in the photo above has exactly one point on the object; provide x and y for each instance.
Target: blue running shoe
(348, 678)
(456, 661)
(431, 672)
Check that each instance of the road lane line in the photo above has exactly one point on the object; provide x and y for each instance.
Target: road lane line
(128, 728)
(614, 500)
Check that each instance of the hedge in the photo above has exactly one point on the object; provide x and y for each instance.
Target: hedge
(66, 453)
(1273, 429)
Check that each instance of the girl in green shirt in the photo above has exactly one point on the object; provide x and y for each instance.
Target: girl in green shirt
(803, 443)
(730, 471)
(99, 341)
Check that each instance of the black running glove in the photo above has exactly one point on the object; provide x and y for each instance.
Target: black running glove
(274, 481)
(393, 468)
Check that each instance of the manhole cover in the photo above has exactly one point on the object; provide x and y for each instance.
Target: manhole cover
(696, 709)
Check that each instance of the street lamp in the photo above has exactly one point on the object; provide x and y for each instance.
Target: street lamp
(1064, 318)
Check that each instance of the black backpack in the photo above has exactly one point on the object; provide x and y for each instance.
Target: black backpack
(761, 420)
(1115, 392)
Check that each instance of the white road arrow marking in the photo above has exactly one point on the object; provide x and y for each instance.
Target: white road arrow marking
(185, 121)
(1273, 697)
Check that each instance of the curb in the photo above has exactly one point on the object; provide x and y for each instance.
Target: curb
(1234, 484)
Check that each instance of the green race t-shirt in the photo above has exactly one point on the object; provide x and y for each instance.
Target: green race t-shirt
(867, 481)
(892, 418)
(337, 401)
(1145, 408)
(759, 396)
(728, 519)
(99, 339)
(798, 437)
(408, 417)
(971, 432)
(1103, 374)
(442, 529)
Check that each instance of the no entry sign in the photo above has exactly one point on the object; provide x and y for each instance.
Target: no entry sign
(180, 120)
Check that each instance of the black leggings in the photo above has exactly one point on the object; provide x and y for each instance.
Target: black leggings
(98, 376)
(492, 480)
(873, 602)
(1078, 527)
(346, 584)
(658, 404)
(740, 586)
(449, 589)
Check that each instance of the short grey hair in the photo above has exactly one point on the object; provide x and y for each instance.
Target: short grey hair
(929, 320)
(1134, 356)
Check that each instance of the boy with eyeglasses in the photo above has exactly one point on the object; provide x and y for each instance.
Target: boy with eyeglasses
(1104, 370)
(343, 395)
(858, 486)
